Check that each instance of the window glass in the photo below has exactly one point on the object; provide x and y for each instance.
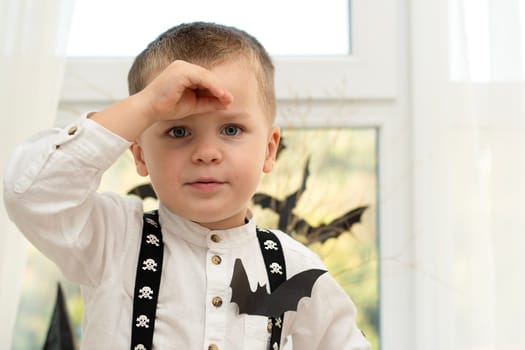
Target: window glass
(39, 291)
(292, 27)
(337, 167)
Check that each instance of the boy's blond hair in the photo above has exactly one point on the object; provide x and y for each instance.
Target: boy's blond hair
(205, 44)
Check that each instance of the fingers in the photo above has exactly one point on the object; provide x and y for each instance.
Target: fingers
(224, 97)
(184, 88)
(206, 84)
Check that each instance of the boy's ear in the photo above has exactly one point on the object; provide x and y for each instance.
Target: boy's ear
(138, 155)
(271, 149)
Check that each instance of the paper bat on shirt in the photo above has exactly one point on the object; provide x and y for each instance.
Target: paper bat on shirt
(285, 298)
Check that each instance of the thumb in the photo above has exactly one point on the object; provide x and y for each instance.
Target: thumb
(208, 104)
(206, 101)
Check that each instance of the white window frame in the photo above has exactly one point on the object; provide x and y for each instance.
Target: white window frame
(368, 88)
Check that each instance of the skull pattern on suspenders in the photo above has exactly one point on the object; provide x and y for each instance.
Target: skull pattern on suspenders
(149, 271)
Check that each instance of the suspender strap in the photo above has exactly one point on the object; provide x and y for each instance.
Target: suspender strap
(147, 283)
(276, 270)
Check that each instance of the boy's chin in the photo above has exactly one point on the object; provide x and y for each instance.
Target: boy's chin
(222, 223)
(211, 220)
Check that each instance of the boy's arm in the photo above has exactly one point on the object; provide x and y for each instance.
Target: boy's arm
(179, 90)
(51, 181)
(50, 188)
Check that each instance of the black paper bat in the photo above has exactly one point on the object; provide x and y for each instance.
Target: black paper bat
(289, 222)
(333, 229)
(285, 298)
(143, 191)
(284, 208)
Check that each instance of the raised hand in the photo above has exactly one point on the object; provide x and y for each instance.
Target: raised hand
(181, 89)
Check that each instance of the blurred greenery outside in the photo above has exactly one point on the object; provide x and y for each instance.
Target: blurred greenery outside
(343, 176)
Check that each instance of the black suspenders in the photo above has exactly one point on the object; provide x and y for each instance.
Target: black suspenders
(149, 270)
(147, 283)
(276, 270)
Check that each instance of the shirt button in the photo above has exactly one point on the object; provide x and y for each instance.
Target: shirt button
(216, 260)
(72, 130)
(215, 238)
(269, 325)
(213, 347)
(217, 301)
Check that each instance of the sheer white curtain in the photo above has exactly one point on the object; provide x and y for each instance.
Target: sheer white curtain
(469, 162)
(33, 36)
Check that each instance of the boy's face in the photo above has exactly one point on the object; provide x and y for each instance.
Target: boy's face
(206, 167)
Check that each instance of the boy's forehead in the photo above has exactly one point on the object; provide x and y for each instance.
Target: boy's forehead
(239, 68)
(240, 60)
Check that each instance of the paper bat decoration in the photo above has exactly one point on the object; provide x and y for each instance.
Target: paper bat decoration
(289, 222)
(146, 190)
(333, 229)
(283, 208)
(285, 298)
(143, 191)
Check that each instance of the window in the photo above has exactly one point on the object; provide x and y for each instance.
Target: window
(339, 99)
(284, 27)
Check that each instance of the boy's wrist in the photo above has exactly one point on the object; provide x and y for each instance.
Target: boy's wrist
(140, 103)
(128, 118)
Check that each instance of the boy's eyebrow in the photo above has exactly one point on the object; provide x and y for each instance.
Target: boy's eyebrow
(233, 115)
(224, 116)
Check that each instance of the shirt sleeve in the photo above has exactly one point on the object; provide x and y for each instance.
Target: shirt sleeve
(50, 186)
(326, 321)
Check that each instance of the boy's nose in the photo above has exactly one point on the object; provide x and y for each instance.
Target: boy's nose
(206, 151)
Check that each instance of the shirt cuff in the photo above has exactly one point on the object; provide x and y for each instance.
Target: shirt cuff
(93, 143)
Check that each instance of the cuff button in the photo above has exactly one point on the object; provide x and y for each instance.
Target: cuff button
(72, 130)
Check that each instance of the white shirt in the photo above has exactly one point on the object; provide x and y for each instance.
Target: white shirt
(50, 193)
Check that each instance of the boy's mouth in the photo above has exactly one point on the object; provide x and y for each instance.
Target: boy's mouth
(206, 183)
(207, 180)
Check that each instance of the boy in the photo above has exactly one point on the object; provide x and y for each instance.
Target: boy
(199, 122)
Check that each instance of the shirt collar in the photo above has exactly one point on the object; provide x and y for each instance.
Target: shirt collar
(175, 225)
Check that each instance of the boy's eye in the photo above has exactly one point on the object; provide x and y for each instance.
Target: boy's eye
(231, 130)
(178, 131)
